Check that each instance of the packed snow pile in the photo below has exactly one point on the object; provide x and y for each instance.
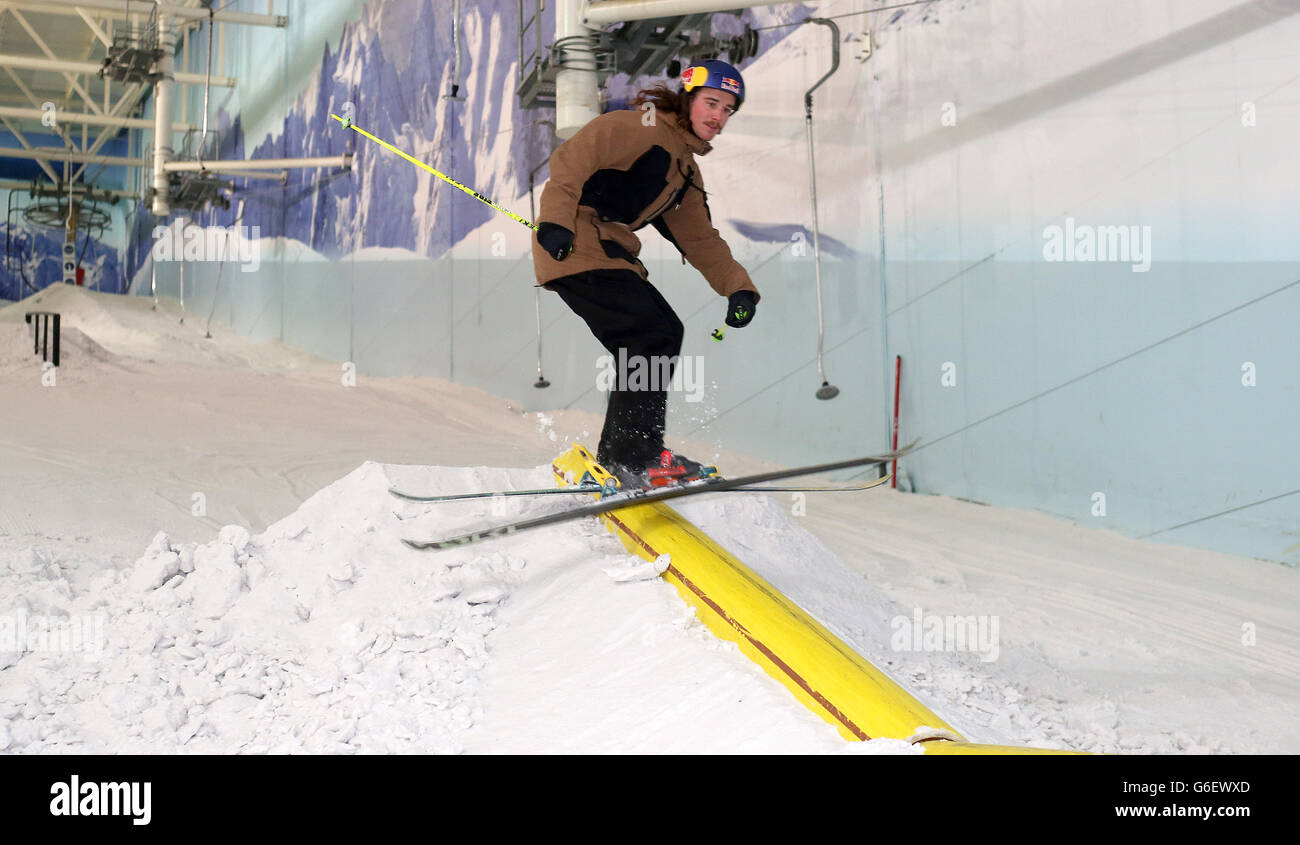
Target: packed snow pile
(82, 319)
(133, 326)
(325, 634)
(322, 634)
(77, 352)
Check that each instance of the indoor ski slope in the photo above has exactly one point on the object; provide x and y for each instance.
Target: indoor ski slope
(207, 521)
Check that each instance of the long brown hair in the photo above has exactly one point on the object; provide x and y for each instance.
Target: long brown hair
(665, 99)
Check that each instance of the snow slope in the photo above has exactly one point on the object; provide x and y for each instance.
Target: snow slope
(285, 615)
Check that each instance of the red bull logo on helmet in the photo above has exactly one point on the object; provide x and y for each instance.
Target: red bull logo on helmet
(732, 85)
(693, 77)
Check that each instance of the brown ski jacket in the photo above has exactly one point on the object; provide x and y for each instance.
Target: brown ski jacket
(616, 175)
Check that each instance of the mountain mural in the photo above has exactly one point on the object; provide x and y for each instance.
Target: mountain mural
(33, 260)
(395, 65)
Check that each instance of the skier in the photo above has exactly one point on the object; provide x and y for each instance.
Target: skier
(623, 170)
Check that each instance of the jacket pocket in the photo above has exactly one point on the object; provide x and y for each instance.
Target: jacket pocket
(614, 246)
(614, 249)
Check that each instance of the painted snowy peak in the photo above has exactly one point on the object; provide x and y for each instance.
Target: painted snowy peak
(395, 65)
(35, 255)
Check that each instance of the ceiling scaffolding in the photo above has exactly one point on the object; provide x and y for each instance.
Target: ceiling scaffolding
(79, 72)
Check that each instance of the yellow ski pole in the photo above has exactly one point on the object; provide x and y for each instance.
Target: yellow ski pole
(473, 193)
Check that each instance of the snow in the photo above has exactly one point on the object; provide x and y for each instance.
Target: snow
(198, 553)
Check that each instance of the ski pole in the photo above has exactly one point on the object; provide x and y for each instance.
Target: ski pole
(718, 333)
(473, 193)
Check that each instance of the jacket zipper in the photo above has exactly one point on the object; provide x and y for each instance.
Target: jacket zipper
(662, 208)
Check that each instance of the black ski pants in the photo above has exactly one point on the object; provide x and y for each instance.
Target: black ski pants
(626, 312)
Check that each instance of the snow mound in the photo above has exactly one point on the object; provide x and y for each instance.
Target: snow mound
(77, 351)
(131, 327)
(76, 306)
(324, 634)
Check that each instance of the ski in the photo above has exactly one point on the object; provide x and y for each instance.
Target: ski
(817, 488)
(544, 491)
(645, 497)
(590, 488)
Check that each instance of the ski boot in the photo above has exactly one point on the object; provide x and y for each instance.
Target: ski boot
(670, 469)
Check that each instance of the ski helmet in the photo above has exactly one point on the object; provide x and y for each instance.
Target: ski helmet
(714, 74)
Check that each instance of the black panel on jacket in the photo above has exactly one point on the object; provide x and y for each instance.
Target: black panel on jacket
(621, 195)
(662, 228)
(614, 249)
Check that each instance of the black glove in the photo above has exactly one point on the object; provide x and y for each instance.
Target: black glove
(740, 308)
(556, 240)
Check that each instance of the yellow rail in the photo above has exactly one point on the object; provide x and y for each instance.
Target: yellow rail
(738, 605)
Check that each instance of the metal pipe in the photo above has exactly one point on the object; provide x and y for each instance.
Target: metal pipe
(207, 85)
(181, 265)
(118, 9)
(344, 161)
(49, 54)
(225, 253)
(127, 102)
(282, 177)
(70, 237)
(577, 94)
(80, 158)
(45, 165)
(455, 40)
(20, 185)
(827, 390)
(234, 165)
(94, 27)
(91, 119)
(59, 65)
(537, 291)
(27, 92)
(163, 91)
(183, 40)
(614, 11)
(884, 278)
(898, 382)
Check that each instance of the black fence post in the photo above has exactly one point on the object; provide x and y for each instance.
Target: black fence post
(41, 334)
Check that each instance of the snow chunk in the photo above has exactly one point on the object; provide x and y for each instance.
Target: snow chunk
(217, 580)
(158, 565)
(636, 569)
(235, 536)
